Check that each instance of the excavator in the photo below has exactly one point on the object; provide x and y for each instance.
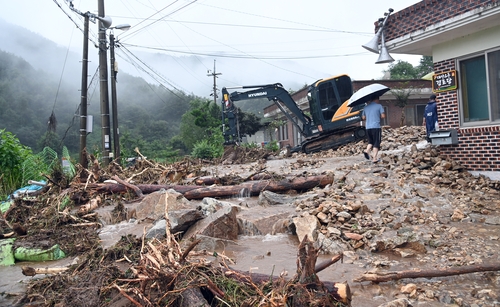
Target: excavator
(331, 123)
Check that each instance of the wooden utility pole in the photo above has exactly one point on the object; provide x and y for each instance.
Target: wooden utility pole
(103, 77)
(214, 74)
(114, 103)
(83, 101)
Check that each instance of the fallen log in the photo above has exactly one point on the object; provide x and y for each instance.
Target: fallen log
(388, 276)
(254, 188)
(196, 192)
(30, 271)
(207, 180)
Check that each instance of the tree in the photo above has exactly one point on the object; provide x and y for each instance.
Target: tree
(249, 123)
(402, 95)
(195, 124)
(402, 70)
(426, 66)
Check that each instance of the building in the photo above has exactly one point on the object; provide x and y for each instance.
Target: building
(418, 90)
(462, 36)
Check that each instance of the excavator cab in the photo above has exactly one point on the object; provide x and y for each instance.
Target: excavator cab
(326, 96)
(337, 123)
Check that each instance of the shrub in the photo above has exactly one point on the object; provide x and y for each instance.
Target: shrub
(273, 146)
(12, 156)
(210, 147)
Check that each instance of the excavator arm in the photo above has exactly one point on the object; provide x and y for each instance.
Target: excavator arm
(273, 92)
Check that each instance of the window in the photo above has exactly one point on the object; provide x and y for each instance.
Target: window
(383, 121)
(415, 115)
(283, 132)
(480, 88)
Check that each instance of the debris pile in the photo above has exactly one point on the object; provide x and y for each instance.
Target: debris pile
(412, 204)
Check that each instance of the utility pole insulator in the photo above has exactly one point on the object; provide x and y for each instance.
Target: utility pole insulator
(214, 74)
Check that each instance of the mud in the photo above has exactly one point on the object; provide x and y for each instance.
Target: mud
(452, 214)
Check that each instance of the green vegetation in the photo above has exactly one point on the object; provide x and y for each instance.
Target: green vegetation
(273, 146)
(12, 156)
(402, 70)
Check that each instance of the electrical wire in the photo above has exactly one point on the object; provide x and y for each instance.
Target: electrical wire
(245, 56)
(138, 30)
(152, 73)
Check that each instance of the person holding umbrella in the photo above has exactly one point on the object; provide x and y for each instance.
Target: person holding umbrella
(372, 114)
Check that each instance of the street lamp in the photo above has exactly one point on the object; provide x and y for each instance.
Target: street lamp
(114, 103)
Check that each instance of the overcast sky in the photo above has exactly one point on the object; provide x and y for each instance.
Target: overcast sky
(263, 41)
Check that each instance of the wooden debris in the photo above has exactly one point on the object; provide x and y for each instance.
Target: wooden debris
(91, 205)
(197, 192)
(388, 276)
(30, 271)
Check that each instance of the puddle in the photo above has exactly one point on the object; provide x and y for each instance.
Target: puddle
(13, 283)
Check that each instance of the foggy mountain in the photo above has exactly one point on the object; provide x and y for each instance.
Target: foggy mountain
(190, 74)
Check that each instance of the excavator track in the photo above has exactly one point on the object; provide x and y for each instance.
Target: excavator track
(334, 140)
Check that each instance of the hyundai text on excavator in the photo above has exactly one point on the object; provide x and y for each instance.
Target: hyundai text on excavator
(331, 123)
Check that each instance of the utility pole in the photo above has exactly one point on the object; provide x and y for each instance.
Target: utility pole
(214, 74)
(103, 77)
(114, 103)
(83, 101)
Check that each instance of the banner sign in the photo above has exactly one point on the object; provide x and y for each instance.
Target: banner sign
(445, 81)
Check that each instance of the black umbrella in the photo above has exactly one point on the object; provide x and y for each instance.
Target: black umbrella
(365, 94)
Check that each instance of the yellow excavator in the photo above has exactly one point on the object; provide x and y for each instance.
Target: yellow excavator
(334, 120)
(335, 112)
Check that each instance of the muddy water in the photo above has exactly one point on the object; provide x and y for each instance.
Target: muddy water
(13, 283)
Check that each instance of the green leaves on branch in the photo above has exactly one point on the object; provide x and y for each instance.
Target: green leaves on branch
(402, 70)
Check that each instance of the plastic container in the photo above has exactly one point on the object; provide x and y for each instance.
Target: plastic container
(6, 252)
(38, 254)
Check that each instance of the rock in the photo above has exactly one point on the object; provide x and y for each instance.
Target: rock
(283, 226)
(211, 205)
(180, 221)
(457, 215)
(353, 236)
(268, 198)
(306, 225)
(492, 220)
(261, 220)
(221, 224)
(401, 302)
(192, 297)
(328, 246)
(157, 230)
(409, 288)
(153, 205)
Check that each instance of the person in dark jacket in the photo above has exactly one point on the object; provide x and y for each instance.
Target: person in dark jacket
(430, 116)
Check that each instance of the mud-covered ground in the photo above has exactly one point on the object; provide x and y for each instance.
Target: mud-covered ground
(446, 217)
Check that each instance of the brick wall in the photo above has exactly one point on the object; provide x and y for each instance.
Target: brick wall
(428, 12)
(478, 148)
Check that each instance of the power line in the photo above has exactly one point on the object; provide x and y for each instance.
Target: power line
(136, 31)
(260, 27)
(246, 56)
(155, 73)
